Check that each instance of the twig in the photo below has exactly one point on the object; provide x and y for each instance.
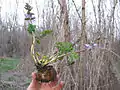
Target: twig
(77, 10)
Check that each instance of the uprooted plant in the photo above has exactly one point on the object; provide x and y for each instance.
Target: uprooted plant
(46, 72)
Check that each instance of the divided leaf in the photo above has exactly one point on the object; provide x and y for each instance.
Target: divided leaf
(67, 48)
(64, 47)
(31, 28)
(72, 57)
(45, 33)
(38, 41)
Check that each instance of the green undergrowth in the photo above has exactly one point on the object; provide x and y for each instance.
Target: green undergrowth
(7, 64)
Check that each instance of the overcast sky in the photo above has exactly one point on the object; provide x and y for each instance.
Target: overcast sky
(9, 7)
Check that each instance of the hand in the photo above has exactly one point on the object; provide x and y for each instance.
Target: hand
(35, 85)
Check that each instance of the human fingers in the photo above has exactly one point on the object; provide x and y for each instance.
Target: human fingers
(59, 86)
(55, 82)
(34, 83)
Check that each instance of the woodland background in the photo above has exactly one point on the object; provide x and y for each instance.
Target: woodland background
(96, 69)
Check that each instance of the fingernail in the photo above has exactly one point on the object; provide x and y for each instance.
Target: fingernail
(33, 75)
(62, 84)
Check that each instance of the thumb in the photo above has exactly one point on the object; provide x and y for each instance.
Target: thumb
(34, 83)
(60, 85)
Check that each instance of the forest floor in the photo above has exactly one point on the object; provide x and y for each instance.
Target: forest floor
(14, 81)
(14, 74)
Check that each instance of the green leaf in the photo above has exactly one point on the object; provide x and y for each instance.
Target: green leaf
(38, 41)
(64, 47)
(31, 28)
(72, 57)
(27, 18)
(37, 53)
(45, 57)
(45, 33)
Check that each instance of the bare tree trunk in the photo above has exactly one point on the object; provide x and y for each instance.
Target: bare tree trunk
(113, 20)
(83, 40)
(99, 16)
(83, 34)
(0, 13)
(64, 15)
